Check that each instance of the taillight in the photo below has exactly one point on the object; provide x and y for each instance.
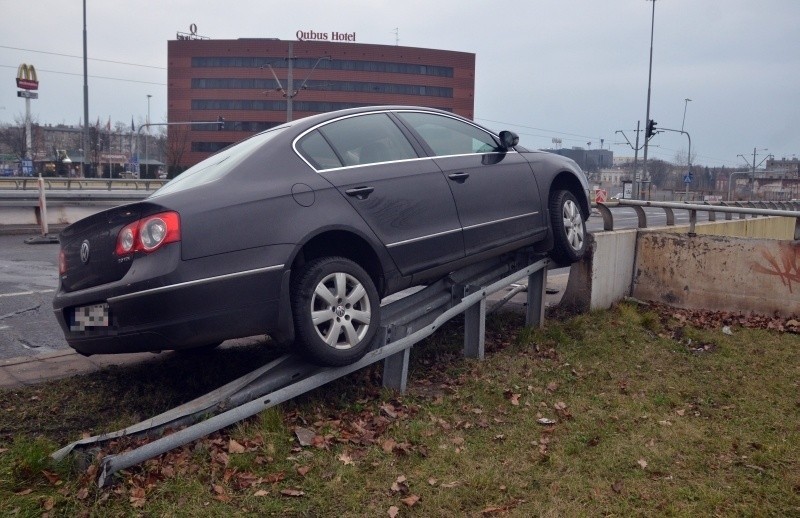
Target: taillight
(149, 234)
(62, 262)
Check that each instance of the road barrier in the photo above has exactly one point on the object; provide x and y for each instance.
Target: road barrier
(20, 183)
(404, 323)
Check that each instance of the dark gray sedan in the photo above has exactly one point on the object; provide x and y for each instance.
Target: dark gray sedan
(298, 232)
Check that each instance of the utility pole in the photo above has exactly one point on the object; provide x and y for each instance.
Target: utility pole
(649, 82)
(85, 95)
(636, 148)
(753, 167)
(290, 93)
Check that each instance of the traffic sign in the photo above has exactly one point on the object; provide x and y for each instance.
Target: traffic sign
(688, 178)
(26, 94)
(27, 167)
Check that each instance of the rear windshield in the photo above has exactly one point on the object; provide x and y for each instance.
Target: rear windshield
(216, 166)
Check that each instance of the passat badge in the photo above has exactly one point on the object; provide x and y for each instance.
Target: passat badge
(85, 252)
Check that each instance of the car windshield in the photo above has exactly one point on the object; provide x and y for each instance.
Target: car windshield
(216, 166)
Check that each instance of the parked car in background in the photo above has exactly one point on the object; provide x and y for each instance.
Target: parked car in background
(299, 231)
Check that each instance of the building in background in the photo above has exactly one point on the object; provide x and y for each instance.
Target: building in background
(590, 160)
(236, 80)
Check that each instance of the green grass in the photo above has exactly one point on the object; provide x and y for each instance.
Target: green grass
(653, 417)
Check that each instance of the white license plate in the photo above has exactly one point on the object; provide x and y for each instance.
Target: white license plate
(95, 315)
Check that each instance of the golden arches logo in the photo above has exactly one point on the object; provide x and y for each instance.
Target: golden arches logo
(26, 77)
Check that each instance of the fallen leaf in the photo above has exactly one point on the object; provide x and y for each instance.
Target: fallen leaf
(83, 493)
(261, 492)
(292, 492)
(642, 463)
(393, 511)
(451, 485)
(545, 421)
(304, 436)
(29, 491)
(512, 397)
(410, 500)
(235, 447)
(48, 504)
(388, 445)
(617, 486)
(346, 459)
(303, 470)
(680, 411)
(400, 485)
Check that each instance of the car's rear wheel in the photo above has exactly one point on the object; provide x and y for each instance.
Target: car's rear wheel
(336, 311)
(569, 228)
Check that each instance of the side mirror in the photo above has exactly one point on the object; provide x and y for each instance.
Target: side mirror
(508, 139)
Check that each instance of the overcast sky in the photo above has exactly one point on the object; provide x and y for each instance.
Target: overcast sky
(571, 69)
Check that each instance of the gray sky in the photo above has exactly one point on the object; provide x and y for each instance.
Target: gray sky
(572, 69)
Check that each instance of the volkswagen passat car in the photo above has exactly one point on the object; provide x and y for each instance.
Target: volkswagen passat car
(297, 232)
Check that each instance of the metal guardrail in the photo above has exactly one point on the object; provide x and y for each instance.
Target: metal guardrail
(69, 184)
(404, 323)
(789, 209)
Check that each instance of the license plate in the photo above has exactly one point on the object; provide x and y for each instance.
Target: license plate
(95, 315)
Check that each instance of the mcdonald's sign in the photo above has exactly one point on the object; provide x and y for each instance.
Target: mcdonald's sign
(26, 77)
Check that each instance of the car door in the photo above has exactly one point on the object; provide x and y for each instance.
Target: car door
(403, 198)
(495, 190)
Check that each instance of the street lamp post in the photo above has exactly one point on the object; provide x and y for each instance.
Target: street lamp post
(649, 83)
(685, 102)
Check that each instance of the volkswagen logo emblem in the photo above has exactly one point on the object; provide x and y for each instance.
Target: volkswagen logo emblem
(85, 251)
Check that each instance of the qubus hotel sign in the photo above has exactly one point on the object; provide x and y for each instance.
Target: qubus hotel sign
(302, 35)
(26, 77)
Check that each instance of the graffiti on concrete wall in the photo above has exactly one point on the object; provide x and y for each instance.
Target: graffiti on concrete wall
(786, 266)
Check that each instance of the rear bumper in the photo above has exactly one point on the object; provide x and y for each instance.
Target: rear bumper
(178, 315)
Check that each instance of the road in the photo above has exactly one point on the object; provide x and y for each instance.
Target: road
(29, 278)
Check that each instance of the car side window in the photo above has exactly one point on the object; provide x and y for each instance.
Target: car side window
(316, 150)
(367, 139)
(446, 136)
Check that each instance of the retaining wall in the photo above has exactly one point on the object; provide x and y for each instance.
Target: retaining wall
(748, 265)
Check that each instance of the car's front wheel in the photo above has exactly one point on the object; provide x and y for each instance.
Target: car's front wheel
(569, 228)
(336, 311)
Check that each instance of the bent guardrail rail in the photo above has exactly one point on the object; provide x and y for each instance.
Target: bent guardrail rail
(405, 322)
(790, 209)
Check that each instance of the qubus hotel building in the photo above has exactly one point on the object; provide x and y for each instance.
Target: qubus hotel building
(256, 84)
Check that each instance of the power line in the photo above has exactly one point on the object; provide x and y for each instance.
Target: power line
(538, 129)
(94, 77)
(81, 57)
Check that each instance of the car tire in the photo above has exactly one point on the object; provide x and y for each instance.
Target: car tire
(336, 311)
(569, 228)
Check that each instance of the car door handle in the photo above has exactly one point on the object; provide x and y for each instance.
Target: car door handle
(458, 177)
(360, 192)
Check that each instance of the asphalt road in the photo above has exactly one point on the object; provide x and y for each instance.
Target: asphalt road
(29, 278)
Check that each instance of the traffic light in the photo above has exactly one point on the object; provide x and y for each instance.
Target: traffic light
(220, 123)
(651, 128)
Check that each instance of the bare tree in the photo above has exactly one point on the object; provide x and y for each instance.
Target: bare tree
(13, 135)
(174, 148)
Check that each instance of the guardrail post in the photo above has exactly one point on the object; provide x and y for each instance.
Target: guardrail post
(395, 370)
(534, 310)
(475, 328)
(395, 367)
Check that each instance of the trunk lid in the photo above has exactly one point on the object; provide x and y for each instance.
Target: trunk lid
(88, 248)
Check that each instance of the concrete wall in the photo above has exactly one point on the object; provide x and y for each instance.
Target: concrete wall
(604, 276)
(719, 273)
(765, 228)
(716, 269)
